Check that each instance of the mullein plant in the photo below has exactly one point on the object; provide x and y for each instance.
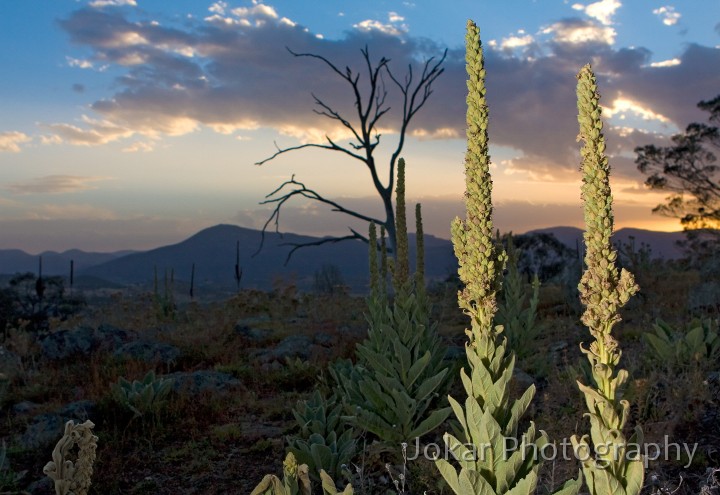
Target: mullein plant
(394, 389)
(73, 478)
(296, 481)
(615, 466)
(489, 419)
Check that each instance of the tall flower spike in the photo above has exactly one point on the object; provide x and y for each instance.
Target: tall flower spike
(402, 268)
(373, 261)
(481, 262)
(488, 417)
(616, 469)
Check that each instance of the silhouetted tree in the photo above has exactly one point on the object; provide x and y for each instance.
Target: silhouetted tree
(370, 104)
(688, 169)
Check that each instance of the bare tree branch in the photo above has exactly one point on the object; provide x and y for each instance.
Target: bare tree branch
(370, 103)
(320, 242)
(303, 191)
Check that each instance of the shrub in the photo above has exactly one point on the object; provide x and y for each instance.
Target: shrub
(145, 397)
(393, 391)
(699, 346)
(323, 441)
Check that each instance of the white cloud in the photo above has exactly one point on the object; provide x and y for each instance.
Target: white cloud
(80, 63)
(54, 184)
(668, 14)
(10, 141)
(575, 33)
(112, 3)
(622, 106)
(516, 41)
(395, 17)
(602, 11)
(257, 10)
(373, 25)
(97, 132)
(667, 63)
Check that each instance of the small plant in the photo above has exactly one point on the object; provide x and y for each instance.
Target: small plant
(699, 346)
(323, 442)
(164, 303)
(296, 481)
(73, 478)
(145, 397)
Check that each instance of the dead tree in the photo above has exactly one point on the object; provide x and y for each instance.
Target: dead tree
(371, 105)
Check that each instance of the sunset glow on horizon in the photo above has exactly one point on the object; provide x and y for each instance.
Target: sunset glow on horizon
(129, 124)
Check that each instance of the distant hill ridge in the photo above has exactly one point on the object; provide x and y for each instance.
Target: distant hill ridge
(213, 249)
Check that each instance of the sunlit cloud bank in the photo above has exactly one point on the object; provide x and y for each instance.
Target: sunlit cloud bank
(230, 72)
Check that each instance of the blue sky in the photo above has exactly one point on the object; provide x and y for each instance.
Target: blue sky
(134, 123)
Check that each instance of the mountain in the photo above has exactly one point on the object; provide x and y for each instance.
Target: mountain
(213, 251)
(53, 263)
(663, 244)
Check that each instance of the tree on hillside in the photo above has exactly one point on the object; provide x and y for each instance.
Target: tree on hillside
(688, 169)
(370, 102)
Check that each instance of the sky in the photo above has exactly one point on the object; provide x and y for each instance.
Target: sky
(130, 124)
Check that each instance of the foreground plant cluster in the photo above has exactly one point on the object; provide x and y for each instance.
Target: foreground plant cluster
(211, 399)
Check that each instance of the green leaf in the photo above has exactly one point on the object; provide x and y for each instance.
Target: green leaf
(634, 477)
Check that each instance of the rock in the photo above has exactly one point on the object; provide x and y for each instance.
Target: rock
(522, 379)
(66, 343)
(149, 351)
(10, 363)
(294, 346)
(250, 333)
(24, 407)
(558, 346)
(84, 340)
(43, 486)
(201, 381)
(108, 337)
(46, 429)
(324, 339)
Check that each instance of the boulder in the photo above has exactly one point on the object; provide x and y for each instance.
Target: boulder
(196, 382)
(149, 352)
(294, 346)
(44, 430)
(84, 340)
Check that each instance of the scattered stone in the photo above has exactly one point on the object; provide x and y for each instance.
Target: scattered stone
(43, 486)
(294, 346)
(10, 363)
(558, 346)
(108, 337)
(202, 381)
(324, 339)
(46, 429)
(66, 343)
(84, 340)
(149, 351)
(24, 407)
(522, 379)
(257, 334)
